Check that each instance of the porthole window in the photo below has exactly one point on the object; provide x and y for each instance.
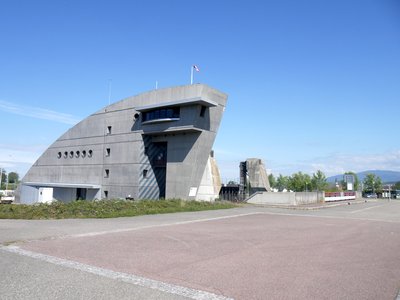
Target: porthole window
(90, 153)
(71, 154)
(65, 154)
(84, 153)
(77, 154)
(59, 155)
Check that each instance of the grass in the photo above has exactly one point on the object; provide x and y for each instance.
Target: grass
(104, 209)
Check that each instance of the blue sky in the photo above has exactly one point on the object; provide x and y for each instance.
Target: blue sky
(311, 84)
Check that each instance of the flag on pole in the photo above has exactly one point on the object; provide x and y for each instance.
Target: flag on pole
(194, 67)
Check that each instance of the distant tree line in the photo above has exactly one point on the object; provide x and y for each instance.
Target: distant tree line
(299, 182)
(9, 180)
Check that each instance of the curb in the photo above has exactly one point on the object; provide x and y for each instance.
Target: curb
(322, 206)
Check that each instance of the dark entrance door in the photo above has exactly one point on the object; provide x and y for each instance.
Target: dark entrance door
(80, 194)
(159, 165)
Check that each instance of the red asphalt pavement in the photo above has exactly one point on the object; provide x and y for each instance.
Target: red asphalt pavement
(261, 256)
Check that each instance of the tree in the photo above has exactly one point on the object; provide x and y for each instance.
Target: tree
(300, 182)
(372, 183)
(3, 179)
(282, 182)
(318, 181)
(3, 175)
(13, 177)
(272, 181)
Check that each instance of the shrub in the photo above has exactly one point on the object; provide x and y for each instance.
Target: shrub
(105, 208)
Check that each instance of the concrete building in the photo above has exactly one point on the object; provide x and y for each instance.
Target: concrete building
(150, 146)
(257, 176)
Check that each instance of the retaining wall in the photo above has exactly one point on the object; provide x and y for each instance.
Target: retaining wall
(286, 198)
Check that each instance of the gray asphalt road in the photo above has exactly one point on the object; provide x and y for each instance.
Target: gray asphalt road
(344, 252)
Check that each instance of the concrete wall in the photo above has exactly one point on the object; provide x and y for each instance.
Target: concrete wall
(31, 194)
(189, 140)
(309, 197)
(272, 198)
(281, 198)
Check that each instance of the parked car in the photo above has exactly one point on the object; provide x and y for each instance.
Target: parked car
(373, 195)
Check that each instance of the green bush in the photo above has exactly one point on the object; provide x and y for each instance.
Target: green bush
(104, 208)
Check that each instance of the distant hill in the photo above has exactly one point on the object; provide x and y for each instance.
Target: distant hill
(386, 176)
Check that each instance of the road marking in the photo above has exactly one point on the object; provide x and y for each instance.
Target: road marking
(362, 209)
(330, 217)
(124, 277)
(96, 233)
(121, 230)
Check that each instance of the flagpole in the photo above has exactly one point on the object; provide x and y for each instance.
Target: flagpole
(109, 91)
(191, 75)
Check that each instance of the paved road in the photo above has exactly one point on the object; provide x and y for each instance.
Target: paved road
(343, 252)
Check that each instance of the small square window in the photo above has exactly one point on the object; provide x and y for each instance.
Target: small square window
(105, 194)
(109, 128)
(108, 151)
(145, 173)
(106, 173)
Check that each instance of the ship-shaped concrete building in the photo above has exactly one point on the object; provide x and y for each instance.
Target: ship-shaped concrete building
(154, 145)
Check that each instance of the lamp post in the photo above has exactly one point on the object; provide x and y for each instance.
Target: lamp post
(373, 185)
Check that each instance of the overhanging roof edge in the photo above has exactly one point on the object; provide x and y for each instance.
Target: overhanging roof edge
(65, 185)
(189, 101)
